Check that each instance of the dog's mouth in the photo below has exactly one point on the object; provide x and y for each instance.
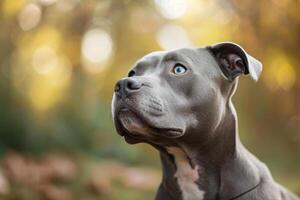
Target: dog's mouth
(135, 128)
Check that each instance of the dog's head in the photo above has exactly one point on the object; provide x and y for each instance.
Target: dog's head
(171, 94)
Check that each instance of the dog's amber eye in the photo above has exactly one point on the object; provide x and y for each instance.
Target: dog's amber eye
(179, 69)
(131, 73)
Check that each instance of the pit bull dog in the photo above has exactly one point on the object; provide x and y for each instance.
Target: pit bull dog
(179, 102)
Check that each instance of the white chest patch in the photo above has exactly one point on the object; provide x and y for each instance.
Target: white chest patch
(186, 175)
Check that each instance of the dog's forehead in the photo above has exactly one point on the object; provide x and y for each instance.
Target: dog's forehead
(152, 58)
(198, 58)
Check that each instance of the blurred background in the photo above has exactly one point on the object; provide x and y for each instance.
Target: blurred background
(59, 60)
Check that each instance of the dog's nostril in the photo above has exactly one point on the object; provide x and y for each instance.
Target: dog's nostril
(117, 87)
(127, 85)
(133, 84)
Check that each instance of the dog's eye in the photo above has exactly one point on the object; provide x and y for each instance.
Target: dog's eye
(179, 69)
(131, 73)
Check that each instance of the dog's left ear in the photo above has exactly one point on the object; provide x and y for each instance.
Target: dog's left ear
(234, 61)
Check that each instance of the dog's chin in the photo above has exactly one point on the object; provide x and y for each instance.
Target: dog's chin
(130, 126)
(132, 123)
(135, 129)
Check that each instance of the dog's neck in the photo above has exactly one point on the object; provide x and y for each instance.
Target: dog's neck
(212, 170)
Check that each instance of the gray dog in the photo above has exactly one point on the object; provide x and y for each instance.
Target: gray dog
(180, 103)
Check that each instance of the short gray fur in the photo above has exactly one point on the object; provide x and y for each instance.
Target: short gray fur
(193, 111)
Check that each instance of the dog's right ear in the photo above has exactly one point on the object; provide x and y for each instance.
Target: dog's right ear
(234, 61)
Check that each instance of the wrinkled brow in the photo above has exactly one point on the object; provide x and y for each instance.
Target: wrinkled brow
(174, 56)
(143, 64)
(177, 57)
(156, 60)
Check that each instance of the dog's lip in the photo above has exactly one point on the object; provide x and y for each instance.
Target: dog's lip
(157, 131)
(124, 109)
(130, 139)
(169, 132)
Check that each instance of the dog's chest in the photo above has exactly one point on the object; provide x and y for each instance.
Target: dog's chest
(186, 176)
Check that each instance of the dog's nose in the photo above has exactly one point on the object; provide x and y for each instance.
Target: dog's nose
(132, 84)
(127, 85)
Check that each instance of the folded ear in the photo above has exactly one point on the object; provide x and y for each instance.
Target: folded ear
(234, 61)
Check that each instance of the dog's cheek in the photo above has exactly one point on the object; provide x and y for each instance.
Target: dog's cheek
(218, 108)
(208, 109)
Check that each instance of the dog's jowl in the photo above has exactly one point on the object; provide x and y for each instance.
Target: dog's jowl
(179, 102)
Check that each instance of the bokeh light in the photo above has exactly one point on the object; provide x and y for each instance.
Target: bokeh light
(96, 49)
(44, 60)
(53, 77)
(47, 2)
(281, 74)
(172, 36)
(66, 5)
(29, 16)
(172, 9)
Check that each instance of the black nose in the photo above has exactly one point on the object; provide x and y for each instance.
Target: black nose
(127, 86)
